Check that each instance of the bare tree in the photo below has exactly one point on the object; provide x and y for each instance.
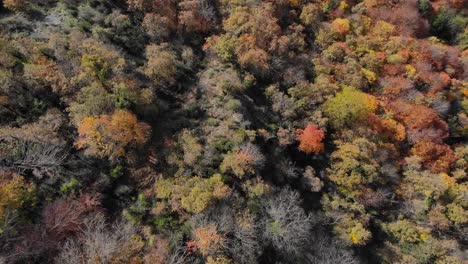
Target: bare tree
(99, 242)
(71, 253)
(285, 224)
(102, 243)
(327, 251)
(42, 158)
(180, 256)
(245, 246)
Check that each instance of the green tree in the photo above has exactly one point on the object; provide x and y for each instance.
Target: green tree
(348, 107)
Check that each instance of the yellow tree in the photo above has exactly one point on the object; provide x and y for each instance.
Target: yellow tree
(15, 193)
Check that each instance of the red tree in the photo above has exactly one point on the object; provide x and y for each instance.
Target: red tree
(310, 139)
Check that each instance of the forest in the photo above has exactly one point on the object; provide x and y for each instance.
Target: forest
(233, 131)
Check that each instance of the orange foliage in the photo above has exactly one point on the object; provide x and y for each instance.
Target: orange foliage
(110, 135)
(422, 122)
(311, 139)
(388, 128)
(207, 239)
(437, 157)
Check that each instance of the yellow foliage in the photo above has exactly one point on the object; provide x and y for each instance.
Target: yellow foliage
(193, 194)
(341, 25)
(383, 29)
(14, 193)
(256, 187)
(457, 214)
(410, 71)
(399, 131)
(359, 235)
(449, 181)
(407, 232)
(218, 260)
(343, 5)
(164, 188)
(370, 75)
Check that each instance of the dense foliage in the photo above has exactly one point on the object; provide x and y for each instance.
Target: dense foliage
(234, 131)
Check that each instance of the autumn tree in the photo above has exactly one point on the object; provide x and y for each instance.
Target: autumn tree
(15, 194)
(66, 217)
(349, 106)
(157, 26)
(311, 139)
(96, 66)
(208, 239)
(310, 15)
(353, 165)
(15, 5)
(194, 194)
(191, 147)
(329, 251)
(437, 157)
(196, 15)
(244, 161)
(162, 64)
(422, 122)
(354, 170)
(113, 135)
(91, 101)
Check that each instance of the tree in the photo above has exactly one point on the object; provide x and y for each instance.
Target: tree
(285, 224)
(65, 218)
(422, 184)
(96, 66)
(194, 194)
(349, 217)
(162, 64)
(93, 100)
(422, 122)
(311, 139)
(256, 61)
(139, 4)
(159, 253)
(353, 165)
(341, 25)
(406, 231)
(245, 246)
(310, 15)
(196, 15)
(113, 135)
(157, 26)
(15, 194)
(103, 243)
(192, 148)
(208, 240)
(327, 251)
(244, 161)
(218, 260)
(349, 106)
(437, 157)
(15, 5)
